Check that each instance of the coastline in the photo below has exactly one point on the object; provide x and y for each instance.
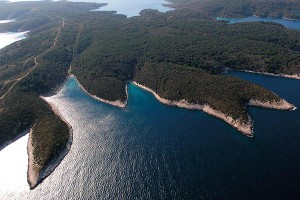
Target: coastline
(281, 105)
(36, 174)
(32, 175)
(22, 134)
(117, 103)
(245, 128)
(286, 18)
(294, 76)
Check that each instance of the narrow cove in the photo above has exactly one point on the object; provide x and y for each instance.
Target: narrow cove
(149, 150)
(291, 24)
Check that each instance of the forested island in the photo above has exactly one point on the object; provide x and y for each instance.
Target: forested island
(179, 55)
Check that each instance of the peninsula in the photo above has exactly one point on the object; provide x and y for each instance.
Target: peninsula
(191, 89)
(179, 56)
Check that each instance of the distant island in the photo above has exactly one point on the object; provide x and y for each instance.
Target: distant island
(180, 56)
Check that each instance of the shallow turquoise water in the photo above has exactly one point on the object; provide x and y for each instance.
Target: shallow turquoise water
(152, 151)
(292, 24)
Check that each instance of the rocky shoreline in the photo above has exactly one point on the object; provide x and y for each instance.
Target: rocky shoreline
(36, 174)
(293, 76)
(281, 105)
(32, 173)
(245, 128)
(117, 103)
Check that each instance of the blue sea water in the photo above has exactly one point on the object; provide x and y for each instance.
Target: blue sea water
(291, 24)
(7, 38)
(129, 8)
(152, 151)
(132, 7)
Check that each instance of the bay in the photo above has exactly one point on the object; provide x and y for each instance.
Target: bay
(129, 8)
(291, 24)
(152, 151)
(133, 7)
(8, 38)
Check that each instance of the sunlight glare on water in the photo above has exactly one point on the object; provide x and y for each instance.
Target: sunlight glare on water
(10, 37)
(6, 21)
(13, 167)
(151, 151)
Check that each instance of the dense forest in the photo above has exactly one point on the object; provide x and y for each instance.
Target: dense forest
(181, 54)
(222, 93)
(21, 107)
(238, 8)
(108, 55)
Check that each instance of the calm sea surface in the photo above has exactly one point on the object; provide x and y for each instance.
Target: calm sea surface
(132, 7)
(6, 21)
(10, 37)
(126, 7)
(292, 24)
(152, 151)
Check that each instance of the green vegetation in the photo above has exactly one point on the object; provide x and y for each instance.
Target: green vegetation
(108, 54)
(222, 93)
(22, 108)
(239, 8)
(178, 54)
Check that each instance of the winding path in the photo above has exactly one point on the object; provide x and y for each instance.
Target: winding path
(35, 60)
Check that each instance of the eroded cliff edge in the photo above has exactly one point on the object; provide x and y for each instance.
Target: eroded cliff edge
(191, 88)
